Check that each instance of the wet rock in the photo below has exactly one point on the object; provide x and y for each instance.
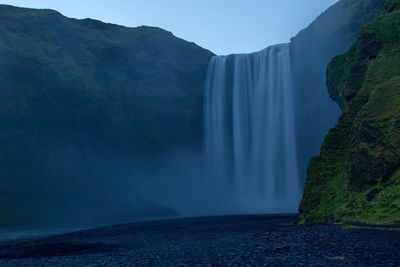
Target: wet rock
(329, 219)
(369, 43)
(365, 169)
(282, 249)
(371, 195)
(202, 242)
(269, 231)
(309, 221)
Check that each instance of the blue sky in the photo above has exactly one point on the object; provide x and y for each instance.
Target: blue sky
(222, 26)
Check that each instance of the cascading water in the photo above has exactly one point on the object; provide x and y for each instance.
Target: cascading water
(250, 129)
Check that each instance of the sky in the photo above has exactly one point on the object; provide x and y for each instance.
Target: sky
(222, 26)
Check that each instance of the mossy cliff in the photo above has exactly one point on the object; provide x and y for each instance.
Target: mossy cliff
(76, 94)
(331, 34)
(356, 177)
(99, 85)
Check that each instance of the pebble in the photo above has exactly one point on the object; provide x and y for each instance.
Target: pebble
(220, 241)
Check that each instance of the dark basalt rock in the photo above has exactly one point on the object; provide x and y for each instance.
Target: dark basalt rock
(369, 45)
(311, 51)
(392, 5)
(368, 134)
(364, 169)
(376, 162)
(52, 250)
(329, 219)
(283, 249)
(363, 149)
(371, 195)
(221, 241)
(309, 221)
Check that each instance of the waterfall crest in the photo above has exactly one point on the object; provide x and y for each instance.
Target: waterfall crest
(250, 129)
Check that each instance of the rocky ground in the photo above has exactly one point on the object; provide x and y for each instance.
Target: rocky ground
(230, 240)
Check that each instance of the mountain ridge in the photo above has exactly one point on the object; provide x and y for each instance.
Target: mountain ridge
(77, 92)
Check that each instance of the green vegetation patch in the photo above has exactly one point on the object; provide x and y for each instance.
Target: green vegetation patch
(357, 176)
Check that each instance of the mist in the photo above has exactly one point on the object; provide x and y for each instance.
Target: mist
(86, 188)
(107, 123)
(220, 133)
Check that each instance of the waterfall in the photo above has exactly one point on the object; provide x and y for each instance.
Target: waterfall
(250, 129)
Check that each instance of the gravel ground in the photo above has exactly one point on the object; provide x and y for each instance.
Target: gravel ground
(229, 240)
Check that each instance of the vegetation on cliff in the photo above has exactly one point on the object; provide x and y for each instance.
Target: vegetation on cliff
(331, 34)
(356, 177)
(73, 90)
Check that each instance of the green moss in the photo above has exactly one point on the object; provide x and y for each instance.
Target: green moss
(92, 90)
(392, 5)
(360, 156)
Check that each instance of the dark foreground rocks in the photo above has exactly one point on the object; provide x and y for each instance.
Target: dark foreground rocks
(230, 240)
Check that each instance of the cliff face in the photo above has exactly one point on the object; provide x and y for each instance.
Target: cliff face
(332, 33)
(357, 175)
(108, 86)
(77, 89)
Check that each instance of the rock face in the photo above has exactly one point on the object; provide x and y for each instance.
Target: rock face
(108, 86)
(332, 33)
(242, 126)
(357, 176)
(70, 87)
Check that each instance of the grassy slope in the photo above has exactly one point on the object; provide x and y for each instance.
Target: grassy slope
(73, 90)
(75, 78)
(332, 33)
(357, 175)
